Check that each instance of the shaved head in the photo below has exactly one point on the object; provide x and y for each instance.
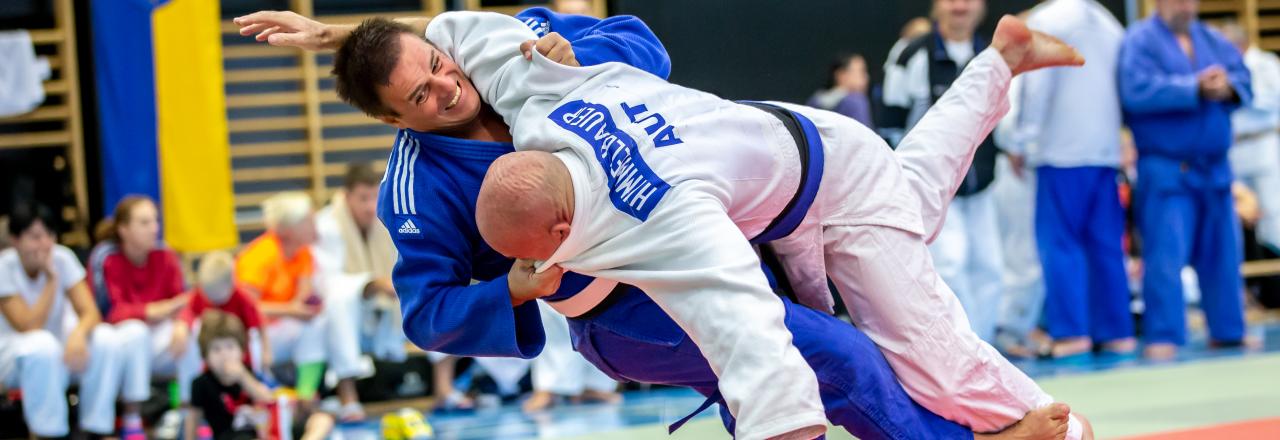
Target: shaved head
(525, 206)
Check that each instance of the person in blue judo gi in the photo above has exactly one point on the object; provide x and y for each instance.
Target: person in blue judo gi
(436, 177)
(1179, 82)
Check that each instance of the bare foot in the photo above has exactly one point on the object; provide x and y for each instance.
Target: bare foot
(1123, 345)
(1026, 50)
(1071, 347)
(1160, 351)
(1048, 423)
(538, 402)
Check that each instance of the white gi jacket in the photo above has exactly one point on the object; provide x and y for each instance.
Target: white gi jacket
(659, 204)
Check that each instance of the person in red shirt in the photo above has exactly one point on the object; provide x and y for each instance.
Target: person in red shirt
(146, 291)
(216, 290)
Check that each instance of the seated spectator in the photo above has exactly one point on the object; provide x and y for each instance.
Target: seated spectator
(355, 255)
(279, 271)
(228, 396)
(42, 347)
(146, 290)
(846, 91)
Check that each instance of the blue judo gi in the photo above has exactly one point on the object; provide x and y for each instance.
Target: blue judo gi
(427, 202)
(1183, 196)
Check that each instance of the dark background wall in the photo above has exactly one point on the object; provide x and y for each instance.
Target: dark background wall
(780, 50)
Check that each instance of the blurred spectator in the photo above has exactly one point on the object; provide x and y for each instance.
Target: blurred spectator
(846, 91)
(967, 250)
(1255, 157)
(1179, 83)
(144, 283)
(278, 269)
(229, 397)
(41, 346)
(1080, 222)
(355, 256)
(578, 7)
(889, 118)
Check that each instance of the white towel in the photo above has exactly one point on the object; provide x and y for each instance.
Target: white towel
(20, 74)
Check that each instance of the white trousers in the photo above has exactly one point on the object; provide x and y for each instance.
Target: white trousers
(1023, 297)
(156, 359)
(32, 362)
(884, 271)
(969, 257)
(331, 337)
(559, 369)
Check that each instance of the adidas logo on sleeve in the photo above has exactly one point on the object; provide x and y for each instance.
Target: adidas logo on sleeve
(409, 228)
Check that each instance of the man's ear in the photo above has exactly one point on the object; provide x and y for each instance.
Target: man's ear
(561, 231)
(393, 121)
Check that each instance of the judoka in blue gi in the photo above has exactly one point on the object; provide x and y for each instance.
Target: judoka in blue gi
(1179, 82)
(428, 201)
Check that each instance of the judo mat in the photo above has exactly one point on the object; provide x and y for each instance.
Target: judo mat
(1204, 394)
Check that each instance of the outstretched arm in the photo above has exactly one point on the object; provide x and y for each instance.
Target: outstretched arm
(288, 29)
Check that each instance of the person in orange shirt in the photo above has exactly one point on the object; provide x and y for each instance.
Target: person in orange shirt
(278, 270)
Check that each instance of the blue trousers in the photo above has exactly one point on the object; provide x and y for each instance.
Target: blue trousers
(858, 389)
(1184, 221)
(1079, 235)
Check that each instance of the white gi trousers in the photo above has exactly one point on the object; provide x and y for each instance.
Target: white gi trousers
(32, 362)
(140, 364)
(884, 271)
(1023, 297)
(561, 370)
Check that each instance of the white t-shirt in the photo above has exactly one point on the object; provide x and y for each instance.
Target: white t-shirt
(959, 51)
(14, 281)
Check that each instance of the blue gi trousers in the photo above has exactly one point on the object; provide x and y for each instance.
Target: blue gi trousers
(1184, 220)
(1079, 235)
(857, 386)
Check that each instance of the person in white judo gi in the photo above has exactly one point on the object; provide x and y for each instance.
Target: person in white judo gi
(682, 212)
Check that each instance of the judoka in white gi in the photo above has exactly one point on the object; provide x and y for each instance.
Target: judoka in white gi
(681, 211)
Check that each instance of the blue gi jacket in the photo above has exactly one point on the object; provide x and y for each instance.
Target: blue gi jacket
(427, 202)
(1176, 131)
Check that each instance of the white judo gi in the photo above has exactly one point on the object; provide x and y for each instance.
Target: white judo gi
(669, 182)
(32, 361)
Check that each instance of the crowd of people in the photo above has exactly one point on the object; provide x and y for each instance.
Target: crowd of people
(1141, 169)
(1038, 245)
(311, 297)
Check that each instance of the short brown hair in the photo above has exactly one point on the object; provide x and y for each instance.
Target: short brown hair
(217, 324)
(365, 61)
(361, 173)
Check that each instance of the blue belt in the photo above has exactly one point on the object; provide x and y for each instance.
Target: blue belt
(809, 145)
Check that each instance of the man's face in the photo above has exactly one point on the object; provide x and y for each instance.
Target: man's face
(362, 200)
(427, 90)
(35, 246)
(959, 14)
(1178, 14)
